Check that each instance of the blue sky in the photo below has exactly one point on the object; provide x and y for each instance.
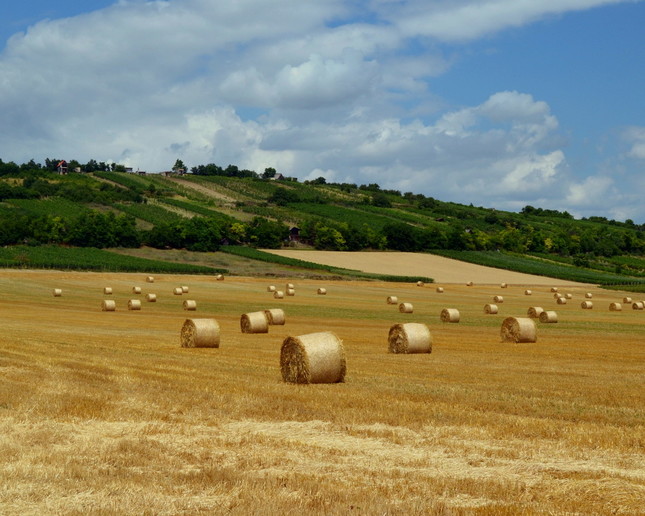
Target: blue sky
(498, 103)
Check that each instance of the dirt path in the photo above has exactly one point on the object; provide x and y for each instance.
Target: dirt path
(442, 270)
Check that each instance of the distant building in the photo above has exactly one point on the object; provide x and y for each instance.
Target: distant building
(294, 234)
(62, 167)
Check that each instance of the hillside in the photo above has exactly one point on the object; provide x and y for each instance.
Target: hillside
(203, 210)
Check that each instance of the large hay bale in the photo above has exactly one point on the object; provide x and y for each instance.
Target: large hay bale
(275, 316)
(450, 315)
(440, 290)
(322, 291)
(151, 298)
(491, 309)
(638, 305)
(190, 305)
(503, 285)
(549, 316)
(136, 290)
(562, 300)
(615, 307)
(409, 338)
(57, 292)
(108, 305)
(588, 295)
(134, 304)
(288, 286)
(469, 284)
(528, 292)
(107, 291)
(627, 300)
(420, 283)
(278, 294)
(291, 291)
(200, 333)
(219, 277)
(557, 295)
(534, 312)
(150, 279)
(518, 329)
(271, 288)
(568, 296)
(313, 358)
(406, 308)
(586, 305)
(254, 322)
(178, 291)
(392, 300)
(184, 289)
(498, 299)
(554, 289)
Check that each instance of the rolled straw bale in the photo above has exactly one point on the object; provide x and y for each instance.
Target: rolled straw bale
(518, 329)
(534, 312)
(278, 294)
(627, 300)
(554, 289)
(178, 291)
(254, 322)
(638, 305)
(420, 284)
(586, 305)
(469, 284)
(490, 309)
(322, 291)
(549, 316)
(288, 286)
(184, 289)
(190, 304)
(557, 295)
(406, 308)
(219, 277)
(275, 316)
(503, 285)
(271, 288)
(588, 295)
(568, 296)
(615, 307)
(450, 315)
(136, 290)
(200, 333)
(498, 299)
(291, 292)
(134, 304)
(392, 300)
(313, 358)
(57, 292)
(107, 291)
(562, 300)
(151, 298)
(440, 290)
(108, 305)
(527, 292)
(409, 338)
(150, 279)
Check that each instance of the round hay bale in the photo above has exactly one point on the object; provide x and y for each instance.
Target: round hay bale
(184, 289)
(254, 322)
(322, 291)
(554, 289)
(627, 300)
(518, 329)
(219, 277)
(409, 338)
(200, 333)
(440, 290)
(313, 358)
(469, 284)
(57, 292)
(288, 286)
(586, 305)
(108, 305)
(392, 300)
(503, 285)
(278, 294)
(151, 298)
(275, 316)
(107, 291)
(291, 292)
(420, 284)
(178, 291)
(450, 315)
(638, 305)
(491, 309)
(498, 299)
(406, 308)
(557, 295)
(271, 288)
(588, 295)
(528, 292)
(549, 316)
(134, 304)
(190, 304)
(615, 307)
(534, 312)
(562, 300)
(136, 290)
(150, 279)
(568, 296)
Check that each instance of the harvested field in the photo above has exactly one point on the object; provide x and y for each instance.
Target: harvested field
(105, 413)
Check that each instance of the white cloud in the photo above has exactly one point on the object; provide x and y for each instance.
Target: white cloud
(635, 137)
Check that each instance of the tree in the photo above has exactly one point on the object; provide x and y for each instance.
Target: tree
(179, 166)
(269, 172)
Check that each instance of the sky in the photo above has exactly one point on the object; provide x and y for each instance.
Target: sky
(495, 103)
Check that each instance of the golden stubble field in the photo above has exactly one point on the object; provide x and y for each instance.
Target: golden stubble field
(105, 413)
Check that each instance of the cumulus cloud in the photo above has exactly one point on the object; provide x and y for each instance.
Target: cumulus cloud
(635, 137)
